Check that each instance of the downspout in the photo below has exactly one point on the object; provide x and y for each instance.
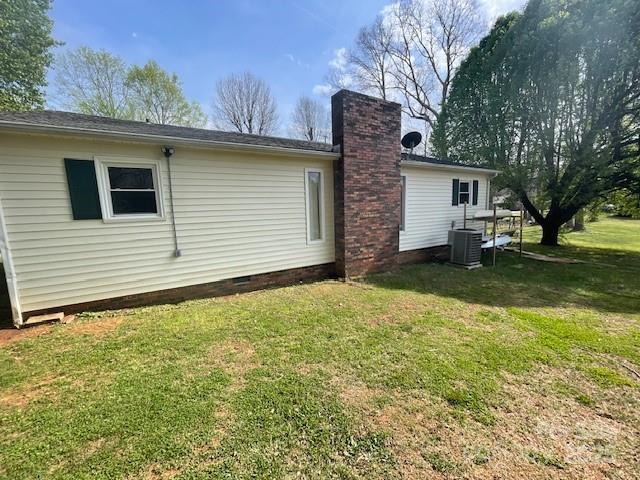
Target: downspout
(168, 152)
(10, 273)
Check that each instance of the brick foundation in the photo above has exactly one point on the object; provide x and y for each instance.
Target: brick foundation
(214, 289)
(367, 183)
(421, 255)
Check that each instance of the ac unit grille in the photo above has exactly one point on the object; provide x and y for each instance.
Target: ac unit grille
(466, 246)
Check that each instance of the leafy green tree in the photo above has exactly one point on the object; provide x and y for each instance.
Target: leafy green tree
(626, 203)
(552, 98)
(25, 44)
(93, 82)
(157, 96)
(100, 83)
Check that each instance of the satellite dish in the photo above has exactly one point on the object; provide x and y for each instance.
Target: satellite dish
(411, 140)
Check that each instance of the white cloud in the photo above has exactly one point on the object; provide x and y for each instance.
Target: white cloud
(339, 60)
(134, 34)
(338, 76)
(322, 89)
(494, 8)
(296, 61)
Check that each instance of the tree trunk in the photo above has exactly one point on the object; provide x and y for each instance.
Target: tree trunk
(578, 221)
(550, 233)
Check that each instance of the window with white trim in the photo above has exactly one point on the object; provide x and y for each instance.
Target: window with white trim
(314, 192)
(130, 190)
(463, 196)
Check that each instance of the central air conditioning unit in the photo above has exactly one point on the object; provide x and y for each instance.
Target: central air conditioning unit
(466, 246)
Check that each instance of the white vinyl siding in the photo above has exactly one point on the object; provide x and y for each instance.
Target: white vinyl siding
(237, 214)
(428, 209)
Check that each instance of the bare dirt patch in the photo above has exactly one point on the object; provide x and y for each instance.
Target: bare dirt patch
(158, 472)
(233, 356)
(20, 398)
(399, 311)
(97, 327)
(558, 434)
(538, 433)
(87, 327)
(11, 335)
(355, 393)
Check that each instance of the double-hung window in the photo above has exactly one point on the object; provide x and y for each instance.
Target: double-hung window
(314, 193)
(130, 190)
(464, 193)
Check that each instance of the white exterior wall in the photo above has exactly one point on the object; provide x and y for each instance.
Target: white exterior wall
(429, 212)
(236, 213)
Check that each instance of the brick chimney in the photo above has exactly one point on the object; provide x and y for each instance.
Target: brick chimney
(367, 183)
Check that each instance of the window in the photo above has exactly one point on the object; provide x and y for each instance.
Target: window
(129, 190)
(314, 186)
(464, 193)
(132, 191)
(403, 203)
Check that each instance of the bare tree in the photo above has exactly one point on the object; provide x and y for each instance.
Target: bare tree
(431, 38)
(340, 74)
(371, 58)
(244, 103)
(410, 54)
(310, 120)
(337, 78)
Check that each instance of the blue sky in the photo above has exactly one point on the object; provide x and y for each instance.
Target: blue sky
(288, 43)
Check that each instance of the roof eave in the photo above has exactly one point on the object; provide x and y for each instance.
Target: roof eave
(146, 138)
(441, 166)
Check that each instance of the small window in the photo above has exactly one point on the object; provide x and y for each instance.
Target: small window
(130, 191)
(464, 193)
(476, 187)
(403, 202)
(314, 186)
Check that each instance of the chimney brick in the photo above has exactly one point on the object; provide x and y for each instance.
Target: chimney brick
(367, 183)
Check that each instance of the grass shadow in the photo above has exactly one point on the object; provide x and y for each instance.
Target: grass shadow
(609, 281)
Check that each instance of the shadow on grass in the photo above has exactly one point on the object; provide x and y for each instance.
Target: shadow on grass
(608, 282)
(604, 257)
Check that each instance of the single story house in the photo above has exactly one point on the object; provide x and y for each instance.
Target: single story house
(104, 213)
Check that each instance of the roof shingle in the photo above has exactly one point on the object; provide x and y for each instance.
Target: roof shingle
(437, 161)
(78, 121)
(67, 121)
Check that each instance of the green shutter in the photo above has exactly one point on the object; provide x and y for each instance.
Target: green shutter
(456, 191)
(475, 192)
(83, 189)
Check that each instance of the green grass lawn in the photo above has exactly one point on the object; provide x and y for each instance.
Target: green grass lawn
(520, 371)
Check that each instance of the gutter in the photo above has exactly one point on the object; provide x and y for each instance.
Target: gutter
(148, 138)
(440, 166)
